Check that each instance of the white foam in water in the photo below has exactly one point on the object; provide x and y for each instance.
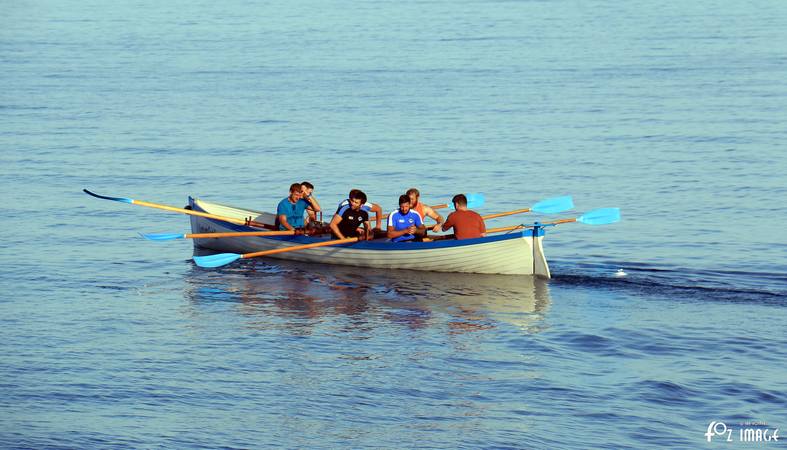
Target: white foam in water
(620, 273)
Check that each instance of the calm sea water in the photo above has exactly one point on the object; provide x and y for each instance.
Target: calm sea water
(673, 112)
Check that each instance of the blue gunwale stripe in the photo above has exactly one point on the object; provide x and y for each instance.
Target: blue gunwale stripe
(379, 245)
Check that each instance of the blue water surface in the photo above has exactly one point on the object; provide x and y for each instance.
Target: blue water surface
(673, 112)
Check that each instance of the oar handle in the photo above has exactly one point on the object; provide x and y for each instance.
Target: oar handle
(299, 247)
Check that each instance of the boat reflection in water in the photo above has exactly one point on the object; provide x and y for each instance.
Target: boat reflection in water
(301, 296)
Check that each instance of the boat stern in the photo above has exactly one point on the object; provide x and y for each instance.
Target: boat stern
(540, 266)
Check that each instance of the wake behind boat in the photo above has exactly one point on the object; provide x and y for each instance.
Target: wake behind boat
(519, 252)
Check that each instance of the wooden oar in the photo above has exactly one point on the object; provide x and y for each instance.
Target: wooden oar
(601, 216)
(548, 206)
(170, 236)
(226, 258)
(501, 229)
(180, 210)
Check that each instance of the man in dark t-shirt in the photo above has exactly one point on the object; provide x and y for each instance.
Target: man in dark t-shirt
(350, 219)
(375, 210)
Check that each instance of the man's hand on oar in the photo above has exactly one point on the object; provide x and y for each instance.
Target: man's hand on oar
(222, 259)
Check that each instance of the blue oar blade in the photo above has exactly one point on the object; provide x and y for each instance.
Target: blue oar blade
(474, 200)
(117, 199)
(602, 216)
(163, 236)
(217, 260)
(553, 205)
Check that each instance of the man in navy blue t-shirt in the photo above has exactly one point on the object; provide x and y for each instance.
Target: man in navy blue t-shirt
(372, 208)
(352, 220)
(405, 224)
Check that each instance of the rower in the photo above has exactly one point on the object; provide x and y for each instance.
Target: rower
(467, 224)
(289, 213)
(369, 207)
(424, 210)
(405, 224)
(308, 191)
(351, 220)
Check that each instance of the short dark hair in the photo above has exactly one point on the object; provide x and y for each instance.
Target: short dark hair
(356, 194)
(307, 185)
(353, 193)
(295, 187)
(459, 199)
(404, 199)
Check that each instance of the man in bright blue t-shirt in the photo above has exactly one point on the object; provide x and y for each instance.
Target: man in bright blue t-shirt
(289, 213)
(405, 224)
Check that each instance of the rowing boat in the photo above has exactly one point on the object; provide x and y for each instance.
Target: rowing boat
(519, 252)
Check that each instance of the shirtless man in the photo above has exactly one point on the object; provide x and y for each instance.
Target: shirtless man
(424, 210)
